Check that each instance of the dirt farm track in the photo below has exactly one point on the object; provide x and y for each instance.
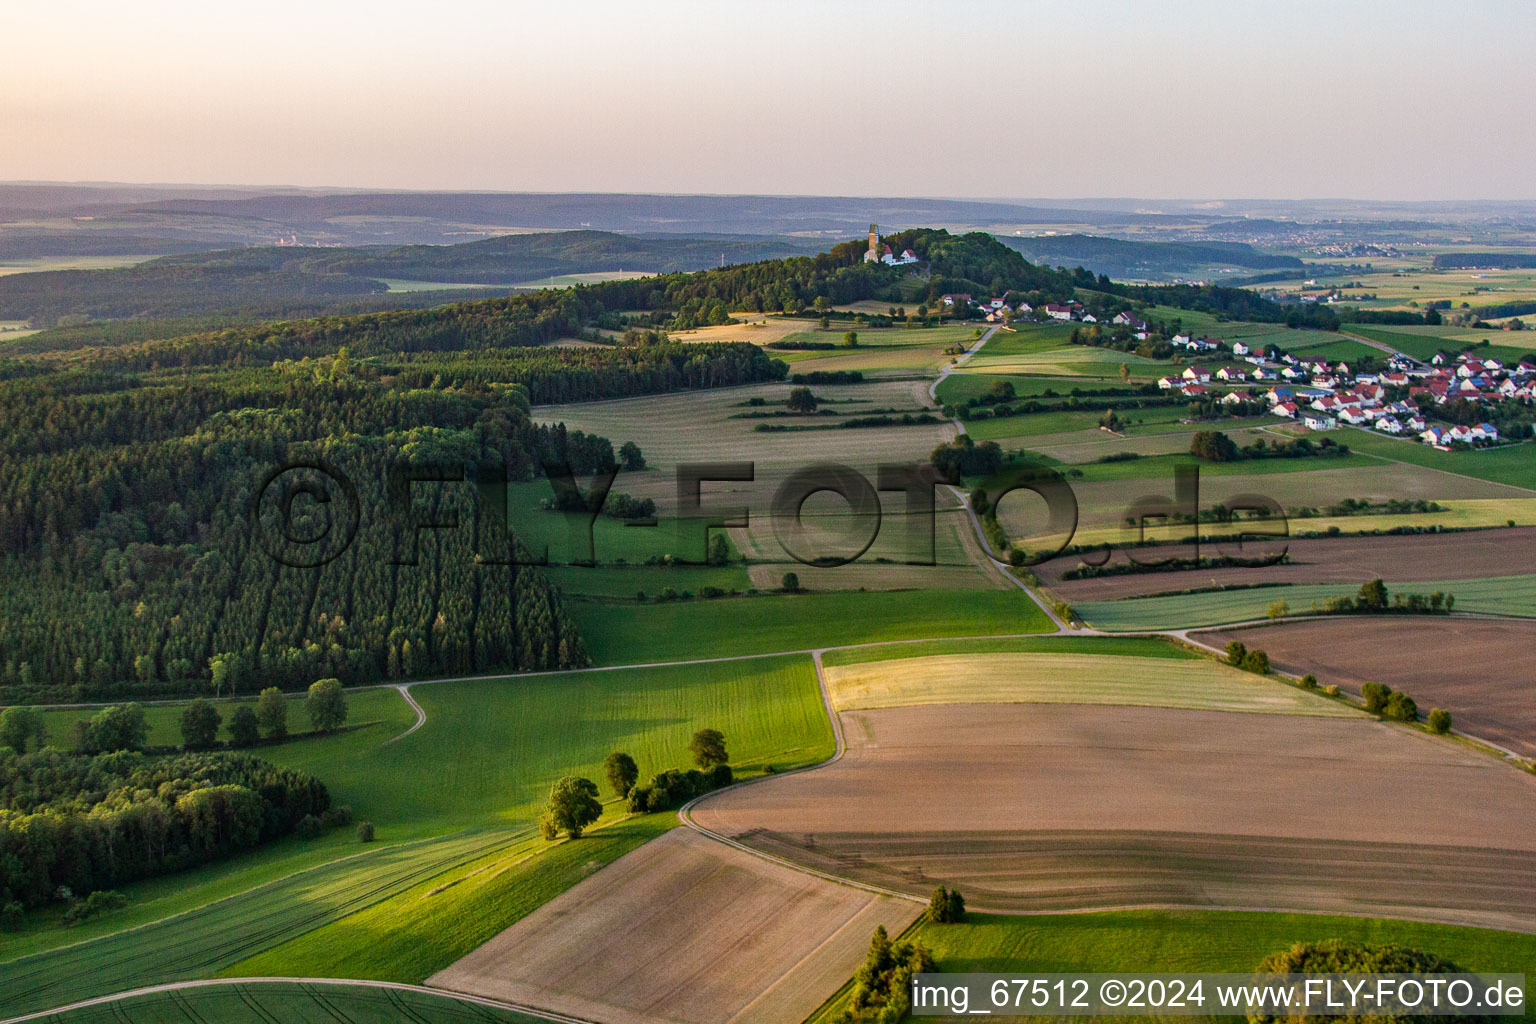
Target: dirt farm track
(1052, 807)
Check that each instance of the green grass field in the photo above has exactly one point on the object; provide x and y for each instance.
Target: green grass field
(637, 634)
(203, 941)
(1123, 646)
(417, 932)
(1512, 464)
(1061, 678)
(263, 1002)
(484, 761)
(1424, 342)
(1188, 941)
(1505, 595)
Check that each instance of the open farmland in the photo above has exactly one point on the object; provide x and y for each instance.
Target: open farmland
(1444, 556)
(684, 929)
(1477, 670)
(1502, 595)
(1049, 678)
(1054, 807)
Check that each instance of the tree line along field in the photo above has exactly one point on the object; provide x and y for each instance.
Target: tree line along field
(1504, 595)
(1459, 555)
(1478, 670)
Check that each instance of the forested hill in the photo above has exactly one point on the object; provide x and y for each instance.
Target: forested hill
(280, 281)
(1119, 258)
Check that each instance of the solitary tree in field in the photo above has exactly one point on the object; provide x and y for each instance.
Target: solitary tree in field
(630, 456)
(789, 582)
(622, 773)
(850, 339)
(1236, 652)
(573, 805)
(1279, 610)
(1375, 695)
(272, 713)
(708, 747)
(1440, 720)
(1256, 661)
(801, 400)
(200, 722)
(326, 705)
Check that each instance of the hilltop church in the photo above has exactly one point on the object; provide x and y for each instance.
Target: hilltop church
(882, 253)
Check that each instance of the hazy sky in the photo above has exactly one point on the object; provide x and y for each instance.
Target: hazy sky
(1403, 100)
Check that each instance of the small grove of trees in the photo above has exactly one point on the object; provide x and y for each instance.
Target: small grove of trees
(1373, 598)
(572, 806)
(673, 788)
(1338, 956)
(946, 906)
(1382, 700)
(326, 705)
(801, 400)
(882, 990)
(19, 726)
(119, 727)
(631, 458)
(1239, 656)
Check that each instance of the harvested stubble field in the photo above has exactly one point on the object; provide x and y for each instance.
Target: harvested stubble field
(1478, 670)
(1054, 807)
(1108, 491)
(1439, 556)
(684, 929)
(1049, 678)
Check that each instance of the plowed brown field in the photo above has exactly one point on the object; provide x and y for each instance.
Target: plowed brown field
(1471, 555)
(1479, 671)
(1053, 807)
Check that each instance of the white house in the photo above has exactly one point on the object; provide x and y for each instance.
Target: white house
(1227, 373)
(1240, 348)
(1319, 421)
(1388, 425)
(1197, 373)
